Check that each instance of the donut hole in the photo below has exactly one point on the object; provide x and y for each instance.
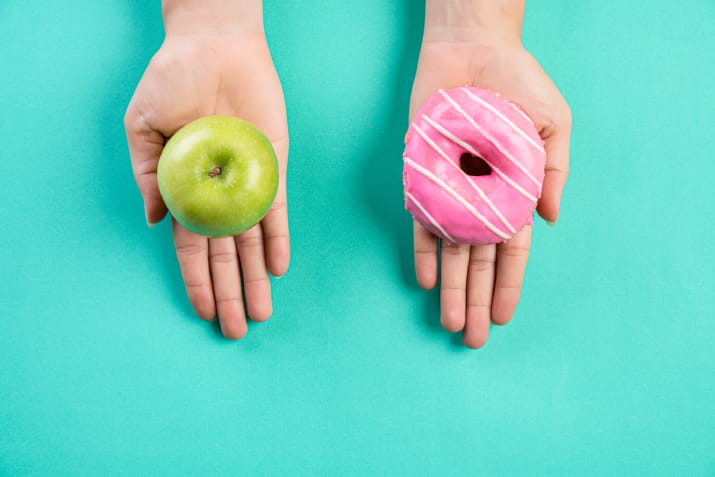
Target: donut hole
(474, 165)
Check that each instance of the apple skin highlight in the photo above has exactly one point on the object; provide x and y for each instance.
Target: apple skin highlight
(218, 175)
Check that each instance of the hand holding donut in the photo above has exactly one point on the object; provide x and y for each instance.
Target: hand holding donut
(478, 43)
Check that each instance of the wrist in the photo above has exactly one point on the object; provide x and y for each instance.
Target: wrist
(212, 17)
(479, 21)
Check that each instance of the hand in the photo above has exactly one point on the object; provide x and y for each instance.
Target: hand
(482, 284)
(196, 74)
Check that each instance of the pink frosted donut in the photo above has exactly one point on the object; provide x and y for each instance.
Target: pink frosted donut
(477, 131)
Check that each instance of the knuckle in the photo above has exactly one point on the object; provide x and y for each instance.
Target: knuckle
(223, 257)
(281, 145)
(282, 140)
(549, 127)
(278, 206)
(511, 287)
(190, 250)
(138, 126)
(197, 283)
(516, 251)
(277, 236)
(452, 248)
(275, 231)
(454, 288)
(142, 173)
(197, 289)
(249, 240)
(559, 122)
(554, 169)
(133, 122)
(262, 279)
(228, 300)
(480, 264)
(473, 308)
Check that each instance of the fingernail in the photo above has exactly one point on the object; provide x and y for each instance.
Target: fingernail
(146, 216)
(551, 223)
(149, 224)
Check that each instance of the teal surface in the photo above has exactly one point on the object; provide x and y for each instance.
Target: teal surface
(607, 369)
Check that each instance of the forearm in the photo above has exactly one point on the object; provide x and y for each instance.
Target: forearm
(473, 20)
(222, 17)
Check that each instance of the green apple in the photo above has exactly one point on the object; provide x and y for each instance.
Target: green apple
(218, 175)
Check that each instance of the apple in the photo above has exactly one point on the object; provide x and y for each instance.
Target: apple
(218, 175)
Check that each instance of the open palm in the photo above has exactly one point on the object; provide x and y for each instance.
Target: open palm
(482, 284)
(192, 77)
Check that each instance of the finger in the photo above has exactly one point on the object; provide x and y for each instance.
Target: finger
(480, 286)
(455, 262)
(255, 277)
(425, 244)
(275, 223)
(277, 238)
(145, 146)
(226, 280)
(557, 139)
(511, 264)
(192, 252)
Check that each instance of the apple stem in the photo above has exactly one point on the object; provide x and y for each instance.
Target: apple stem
(214, 172)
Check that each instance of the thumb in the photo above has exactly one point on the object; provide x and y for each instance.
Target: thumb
(557, 170)
(145, 146)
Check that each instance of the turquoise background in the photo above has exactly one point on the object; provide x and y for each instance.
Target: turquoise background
(607, 369)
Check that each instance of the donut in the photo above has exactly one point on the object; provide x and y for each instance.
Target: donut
(473, 166)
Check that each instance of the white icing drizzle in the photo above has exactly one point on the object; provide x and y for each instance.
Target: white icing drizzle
(488, 137)
(503, 118)
(429, 217)
(442, 185)
(479, 191)
(444, 132)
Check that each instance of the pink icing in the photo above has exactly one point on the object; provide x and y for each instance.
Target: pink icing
(477, 210)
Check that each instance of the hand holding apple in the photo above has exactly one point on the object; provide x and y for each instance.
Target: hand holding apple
(215, 62)
(218, 176)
